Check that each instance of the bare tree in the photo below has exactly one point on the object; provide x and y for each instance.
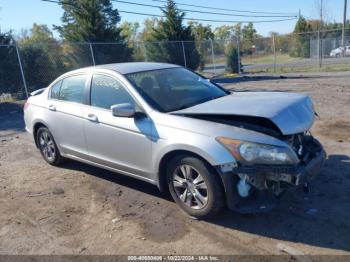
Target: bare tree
(323, 12)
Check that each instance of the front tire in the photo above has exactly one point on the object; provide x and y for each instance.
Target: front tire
(48, 147)
(195, 186)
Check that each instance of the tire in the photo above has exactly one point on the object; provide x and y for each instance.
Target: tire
(48, 147)
(195, 186)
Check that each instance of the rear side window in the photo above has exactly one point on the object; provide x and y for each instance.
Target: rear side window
(55, 90)
(107, 91)
(72, 89)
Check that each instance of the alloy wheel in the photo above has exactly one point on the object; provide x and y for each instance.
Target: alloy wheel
(190, 186)
(47, 146)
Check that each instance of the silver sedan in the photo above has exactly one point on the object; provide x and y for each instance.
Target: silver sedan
(171, 127)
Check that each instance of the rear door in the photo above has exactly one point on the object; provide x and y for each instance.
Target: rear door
(123, 143)
(66, 118)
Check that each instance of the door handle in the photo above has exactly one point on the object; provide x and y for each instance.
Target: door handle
(92, 117)
(52, 108)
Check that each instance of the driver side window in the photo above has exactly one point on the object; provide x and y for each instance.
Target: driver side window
(107, 91)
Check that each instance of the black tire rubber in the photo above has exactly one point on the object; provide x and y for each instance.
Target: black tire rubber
(216, 199)
(58, 160)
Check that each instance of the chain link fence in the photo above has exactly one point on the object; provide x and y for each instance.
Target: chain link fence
(28, 67)
(307, 52)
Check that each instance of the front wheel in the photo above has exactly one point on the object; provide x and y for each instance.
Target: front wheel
(48, 147)
(195, 186)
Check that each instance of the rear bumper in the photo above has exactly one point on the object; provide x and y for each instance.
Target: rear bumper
(28, 130)
(258, 176)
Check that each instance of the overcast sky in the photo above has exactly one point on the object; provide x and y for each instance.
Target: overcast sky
(18, 14)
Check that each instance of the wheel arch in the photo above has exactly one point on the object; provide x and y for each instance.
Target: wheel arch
(162, 179)
(36, 127)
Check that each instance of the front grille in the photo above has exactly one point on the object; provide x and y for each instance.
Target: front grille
(296, 142)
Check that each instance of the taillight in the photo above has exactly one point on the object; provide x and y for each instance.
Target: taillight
(26, 104)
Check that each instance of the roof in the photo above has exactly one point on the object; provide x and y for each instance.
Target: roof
(133, 67)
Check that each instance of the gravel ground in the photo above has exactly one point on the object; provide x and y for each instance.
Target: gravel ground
(78, 209)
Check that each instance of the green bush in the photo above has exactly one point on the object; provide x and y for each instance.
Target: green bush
(232, 59)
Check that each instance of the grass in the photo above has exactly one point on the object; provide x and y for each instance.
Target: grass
(268, 59)
(259, 59)
(6, 99)
(304, 69)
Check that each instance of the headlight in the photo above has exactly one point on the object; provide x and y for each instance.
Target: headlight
(255, 153)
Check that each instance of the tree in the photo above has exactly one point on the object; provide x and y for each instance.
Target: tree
(301, 42)
(129, 30)
(93, 21)
(238, 30)
(249, 33)
(201, 32)
(148, 28)
(169, 34)
(203, 35)
(223, 33)
(282, 42)
(42, 57)
(248, 38)
(10, 78)
(39, 34)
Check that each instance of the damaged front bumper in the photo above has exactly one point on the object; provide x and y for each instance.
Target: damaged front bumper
(270, 179)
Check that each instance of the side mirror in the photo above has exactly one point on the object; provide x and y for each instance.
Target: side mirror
(123, 110)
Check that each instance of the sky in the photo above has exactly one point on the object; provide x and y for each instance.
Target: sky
(21, 14)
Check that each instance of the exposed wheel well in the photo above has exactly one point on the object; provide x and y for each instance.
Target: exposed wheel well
(35, 130)
(163, 187)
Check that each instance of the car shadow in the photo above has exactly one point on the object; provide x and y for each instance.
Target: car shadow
(117, 178)
(319, 218)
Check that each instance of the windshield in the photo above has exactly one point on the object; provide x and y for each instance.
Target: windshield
(174, 88)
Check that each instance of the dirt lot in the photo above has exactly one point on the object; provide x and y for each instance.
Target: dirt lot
(78, 209)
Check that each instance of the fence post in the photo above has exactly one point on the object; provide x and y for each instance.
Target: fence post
(144, 51)
(212, 54)
(274, 52)
(319, 50)
(92, 54)
(239, 54)
(22, 73)
(183, 50)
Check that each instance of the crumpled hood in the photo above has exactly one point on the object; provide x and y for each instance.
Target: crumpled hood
(290, 112)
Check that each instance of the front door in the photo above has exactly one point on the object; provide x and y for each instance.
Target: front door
(122, 143)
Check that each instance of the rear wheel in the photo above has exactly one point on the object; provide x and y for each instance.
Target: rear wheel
(48, 147)
(195, 186)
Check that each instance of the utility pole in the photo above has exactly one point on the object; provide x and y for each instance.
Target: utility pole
(321, 15)
(320, 46)
(344, 22)
(274, 52)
